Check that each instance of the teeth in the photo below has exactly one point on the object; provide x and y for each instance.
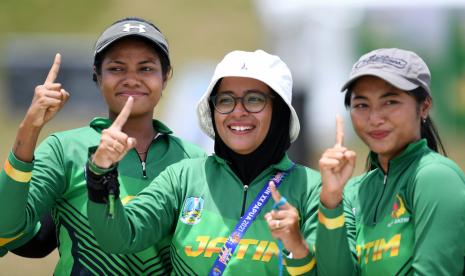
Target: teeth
(241, 128)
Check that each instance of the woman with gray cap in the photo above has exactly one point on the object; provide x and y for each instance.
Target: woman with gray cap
(217, 209)
(131, 64)
(406, 213)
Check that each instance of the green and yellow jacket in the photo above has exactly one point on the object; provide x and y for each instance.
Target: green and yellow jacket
(408, 220)
(55, 182)
(198, 202)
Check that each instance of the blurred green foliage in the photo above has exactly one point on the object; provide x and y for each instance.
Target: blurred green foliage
(203, 29)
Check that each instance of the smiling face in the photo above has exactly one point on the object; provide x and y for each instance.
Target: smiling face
(385, 118)
(242, 131)
(131, 67)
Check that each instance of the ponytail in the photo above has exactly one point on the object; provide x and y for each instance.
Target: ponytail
(428, 129)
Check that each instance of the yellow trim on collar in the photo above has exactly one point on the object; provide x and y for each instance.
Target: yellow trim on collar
(331, 223)
(299, 270)
(15, 174)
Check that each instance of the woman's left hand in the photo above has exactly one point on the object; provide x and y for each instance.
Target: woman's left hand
(284, 225)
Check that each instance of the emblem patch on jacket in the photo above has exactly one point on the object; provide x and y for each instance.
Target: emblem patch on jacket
(192, 211)
(398, 208)
(399, 213)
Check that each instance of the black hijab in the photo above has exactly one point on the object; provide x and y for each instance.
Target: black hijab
(247, 167)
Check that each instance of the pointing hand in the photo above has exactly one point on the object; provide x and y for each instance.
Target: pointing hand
(336, 167)
(114, 143)
(48, 98)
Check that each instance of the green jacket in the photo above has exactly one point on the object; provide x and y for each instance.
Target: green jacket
(410, 220)
(199, 202)
(55, 183)
(12, 243)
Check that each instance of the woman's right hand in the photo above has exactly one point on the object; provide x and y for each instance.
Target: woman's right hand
(114, 143)
(48, 98)
(336, 167)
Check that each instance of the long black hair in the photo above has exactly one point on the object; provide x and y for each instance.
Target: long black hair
(427, 128)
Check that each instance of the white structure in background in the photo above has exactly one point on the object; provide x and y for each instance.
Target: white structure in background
(317, 39)
(316, 42)
(179, 108)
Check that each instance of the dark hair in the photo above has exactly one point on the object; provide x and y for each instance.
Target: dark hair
(164, 58)
(427, 128)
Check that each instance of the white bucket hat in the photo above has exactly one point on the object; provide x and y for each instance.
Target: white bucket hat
(259, 65)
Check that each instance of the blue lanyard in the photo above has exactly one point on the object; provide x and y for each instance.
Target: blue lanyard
(244, 223)
(280, 243)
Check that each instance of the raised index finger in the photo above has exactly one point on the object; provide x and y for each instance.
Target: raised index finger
(274, 192)
(339, 131)
(124, 114)
(53, 73)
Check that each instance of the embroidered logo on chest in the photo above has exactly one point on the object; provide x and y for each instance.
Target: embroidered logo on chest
(398, 212)
(192, 210)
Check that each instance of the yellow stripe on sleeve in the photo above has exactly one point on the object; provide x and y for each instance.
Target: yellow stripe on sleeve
(331, 223)
(126, 199)
(299, 270)
(15, 174)
(4, 241)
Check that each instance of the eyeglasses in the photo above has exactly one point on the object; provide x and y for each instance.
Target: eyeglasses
(252, 101)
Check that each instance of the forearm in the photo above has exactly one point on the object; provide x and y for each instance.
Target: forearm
(439, 219)
(26, 141)
(301, 260)
(105, 212)
(334, 256)
(306, 264)
(29, 189)
(113, 234)
(10, 244)
(123, 232)
(303, 266)
(42, 244)
(115, 230)
(14, 188)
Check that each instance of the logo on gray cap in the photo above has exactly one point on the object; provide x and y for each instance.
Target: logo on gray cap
(403, 69)
(376, 59)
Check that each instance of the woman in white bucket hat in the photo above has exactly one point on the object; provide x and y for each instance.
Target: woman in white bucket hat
(217, 209)
(406, 214)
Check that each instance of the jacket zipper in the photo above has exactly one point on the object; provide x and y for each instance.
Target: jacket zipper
(144, 172)
(382, 193)
(142, 162)
(244, 199)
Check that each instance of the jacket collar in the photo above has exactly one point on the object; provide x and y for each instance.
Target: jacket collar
(99, 124)
(411, 152)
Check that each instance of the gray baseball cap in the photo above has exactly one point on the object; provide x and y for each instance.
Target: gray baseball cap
(403, 69)
(127, 28)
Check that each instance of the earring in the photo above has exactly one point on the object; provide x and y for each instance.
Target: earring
(424, 120)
